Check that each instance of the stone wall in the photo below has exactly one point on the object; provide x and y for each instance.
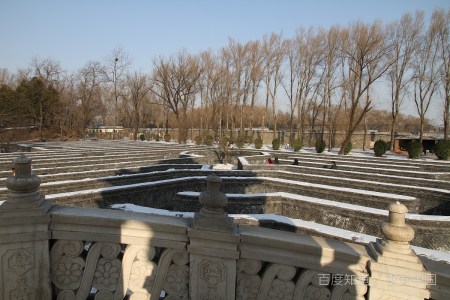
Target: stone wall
(309, 139)
(162, 194)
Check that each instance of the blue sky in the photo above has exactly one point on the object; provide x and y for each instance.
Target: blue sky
(74, 32)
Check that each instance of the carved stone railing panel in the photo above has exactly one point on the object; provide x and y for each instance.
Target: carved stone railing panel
(144, 270)
(248, 281)
(312, 285)
(276, 282)
(265, 280)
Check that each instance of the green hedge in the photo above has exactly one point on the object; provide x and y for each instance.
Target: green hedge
(209, 140)
(198, 140)
(142, 137)
(380, 148)
(276, 144)
(240, 141)
(258, 143)
(320, 146)
(414, 149)
(297, 145)
(224, 142)
(156, 137)
(442, 149)
(167, 137)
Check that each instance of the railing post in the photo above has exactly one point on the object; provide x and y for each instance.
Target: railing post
(213, 247)
(24, 237)
(395, 269)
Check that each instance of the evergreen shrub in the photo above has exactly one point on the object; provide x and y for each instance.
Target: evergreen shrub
(240, 141)
(142, 137)
(156, 137)
(226, 142)
(348, 148)
(380, 148)
(442, 149)
(297, 145)
(258, 143)
(198, 140)
(320, 146)
(209, 140)
(148, 136)
(167, 137)
(414, 149)
(276, 144)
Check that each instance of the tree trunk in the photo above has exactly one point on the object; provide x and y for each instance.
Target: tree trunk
(226, 155)
(135, 131)
(421, 128)
(394, 123)
(220, 127)
(263, 123)
(330, 137)
(291, 130)
(446, 122)
(40, 121)
(365, 133)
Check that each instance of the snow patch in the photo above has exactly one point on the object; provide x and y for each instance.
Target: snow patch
(224, 167)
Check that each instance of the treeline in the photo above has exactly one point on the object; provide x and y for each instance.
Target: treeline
(326, 78)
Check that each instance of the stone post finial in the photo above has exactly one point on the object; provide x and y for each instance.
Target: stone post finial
(24, 197)
(397, 233)
(23, 185)
(213, 200)
(212, 216)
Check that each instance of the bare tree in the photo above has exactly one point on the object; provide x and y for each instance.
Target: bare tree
(290, 82)
(227, 89)
(137, 86)
(89, 92)
(441, 23)
(426, 74)
(239, 56)
(404, 35)
(331, 67)
(48, 71)
(365, 49)
(273, 49)
(116, 65)
(310, 49)
(213, 88)
(68, 99)
(175, 82)
(6, 77)
(256, 72)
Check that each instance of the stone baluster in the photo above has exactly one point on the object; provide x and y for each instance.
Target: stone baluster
(397, 233)
(213, 247)
(395, 269)
(24, 237)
